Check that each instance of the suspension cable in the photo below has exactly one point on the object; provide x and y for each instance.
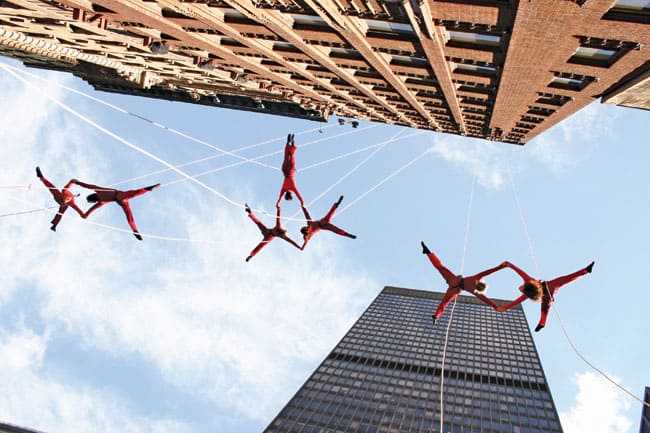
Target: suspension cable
(453, 307)
(380, 146)
(221, 153)
(266, 155)
(555, 308)
(386, 179)
(26, 211)
(125, 142)
(160, 125)
(118, 229)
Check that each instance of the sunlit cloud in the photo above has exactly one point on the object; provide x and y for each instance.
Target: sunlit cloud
(230, 333)
(571, 141)
(487, 161)
(599, 407)
(32, 398)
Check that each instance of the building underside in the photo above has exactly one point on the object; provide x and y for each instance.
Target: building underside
(503, 70)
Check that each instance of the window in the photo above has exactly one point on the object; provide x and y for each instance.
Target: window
(389, 26)
(598, 57)
(568, 81)
(594, 53)
(418, 62)
(540, 111)
(636, 11)
(390, 30)
(310, 22)
(552, 99)
(344, 53)
(633, 4)
(477, 41)
(464, 68)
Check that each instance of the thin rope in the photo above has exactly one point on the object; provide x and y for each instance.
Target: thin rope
(211, 157)
(147, 153)
(118, 229)
(28, 186)
(266, 155)
(386, 179)
(380, 146)
(222, 152)
(172, 167)
(453, 307)
(523, 222)
(26, 211)
(162, 126)
(123, 141)
(360, 150)
(555, 308)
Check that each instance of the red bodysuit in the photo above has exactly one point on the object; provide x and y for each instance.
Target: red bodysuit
(550, 289)
(268, 234)
(289, 171)
(458, 283)
(324, 223)
(107, 195)
(64, 198)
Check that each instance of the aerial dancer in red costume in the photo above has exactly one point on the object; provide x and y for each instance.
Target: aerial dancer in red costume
(268, 234)
(537, 290)
(64, 198)
(457, 283)
(289, 171)
(314, 226)
(102, 195)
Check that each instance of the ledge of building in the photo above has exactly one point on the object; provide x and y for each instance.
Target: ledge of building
(631, 91)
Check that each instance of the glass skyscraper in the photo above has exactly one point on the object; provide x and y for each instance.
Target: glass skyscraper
(386, 375)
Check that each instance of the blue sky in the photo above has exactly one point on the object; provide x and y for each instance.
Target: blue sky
(100, 332)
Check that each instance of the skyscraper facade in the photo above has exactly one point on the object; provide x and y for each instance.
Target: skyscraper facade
(504, 70)
(387, 373)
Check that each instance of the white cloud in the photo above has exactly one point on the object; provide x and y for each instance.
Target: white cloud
(217, 327)
(558, 149)
(598, 408)
(222, 330)
(486, 160)
(30, 398)
(572, 140)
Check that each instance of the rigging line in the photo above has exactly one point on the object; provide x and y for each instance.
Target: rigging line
(27, 211)
(140, 150)
(386, 179)
(117, 229)
(236, 164)
(453, 307)
(555, 309)
(266, 155)
(602, 373)
(523, 222)
(210, 157)
(356, 167)
(28, 186)
(165, 127)
(125, 142)
(149, 154)
(363, 149)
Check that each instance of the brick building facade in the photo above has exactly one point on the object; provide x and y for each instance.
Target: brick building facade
(504, 70)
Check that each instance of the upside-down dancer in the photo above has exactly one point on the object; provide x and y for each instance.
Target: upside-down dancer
(537, 290)
(457, 283)
(64, 198)
(102, 195)
(314, 226)
(268, 234)
(289, 171)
